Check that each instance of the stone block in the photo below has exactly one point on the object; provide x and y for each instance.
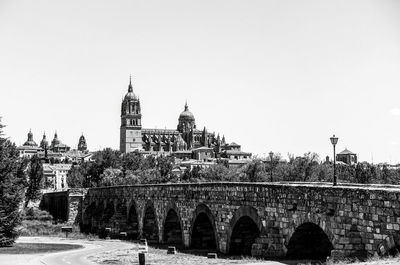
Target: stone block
(171, 250)
(212, 255)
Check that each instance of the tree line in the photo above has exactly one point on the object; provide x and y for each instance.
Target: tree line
(109, 167)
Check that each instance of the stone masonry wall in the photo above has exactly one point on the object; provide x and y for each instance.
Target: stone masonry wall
(65, 206)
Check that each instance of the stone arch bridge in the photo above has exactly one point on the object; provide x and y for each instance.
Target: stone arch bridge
(294, 220)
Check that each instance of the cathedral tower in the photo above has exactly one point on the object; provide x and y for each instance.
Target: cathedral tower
(82, 146)
(131, 122)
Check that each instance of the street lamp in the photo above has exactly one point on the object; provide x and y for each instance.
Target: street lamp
(271, 154)
(334, 141)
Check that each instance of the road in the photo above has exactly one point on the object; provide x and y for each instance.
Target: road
(111, 252)
(70, 257)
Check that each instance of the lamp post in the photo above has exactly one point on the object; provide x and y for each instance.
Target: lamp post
(334, 141)
(271, 154)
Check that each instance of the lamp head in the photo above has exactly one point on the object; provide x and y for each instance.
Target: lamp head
(334, 140)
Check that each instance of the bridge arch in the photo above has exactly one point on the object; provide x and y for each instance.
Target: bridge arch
(244, 227)
(108, 212)
(309, 241)
(87, 218)
(203, 233)
(150, 223)
(172, 230)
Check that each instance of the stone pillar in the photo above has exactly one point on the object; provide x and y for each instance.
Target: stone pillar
(222, 245)
(75, 209)
(271, 244)
(186, 238)
(350, 246)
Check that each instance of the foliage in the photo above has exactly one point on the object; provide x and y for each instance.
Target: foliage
(165, 165)
(35, 180)
(110, 168)
(12, 182)
(33, 213)
(36, 222)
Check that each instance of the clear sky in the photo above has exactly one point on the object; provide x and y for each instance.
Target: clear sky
(270, 75)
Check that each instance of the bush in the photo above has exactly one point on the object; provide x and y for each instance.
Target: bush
(36, 222)
(36, 214)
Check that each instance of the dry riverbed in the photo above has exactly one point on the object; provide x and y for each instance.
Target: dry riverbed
(157, 256)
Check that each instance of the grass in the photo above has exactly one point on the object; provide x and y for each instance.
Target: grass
(34, 248)
(47, 228)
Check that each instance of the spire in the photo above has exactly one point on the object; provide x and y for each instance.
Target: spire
(204, 137)
(130, 89)
(186, 106)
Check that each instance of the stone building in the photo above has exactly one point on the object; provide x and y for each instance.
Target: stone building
(29, 148)
(57, 146)
(56, 151)
(347, 157)
(180, 142)
(56, 175)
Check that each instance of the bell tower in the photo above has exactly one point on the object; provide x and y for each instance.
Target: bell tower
(131, 122)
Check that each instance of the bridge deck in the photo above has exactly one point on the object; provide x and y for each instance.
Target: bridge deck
(327, 185)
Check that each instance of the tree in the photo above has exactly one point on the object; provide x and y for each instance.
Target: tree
(385, 174)
(76, 177)
(111, 177)
(131, 161)
(165, 165)
(217, 172)
(255, 171)
(35, 180)
(12, 182)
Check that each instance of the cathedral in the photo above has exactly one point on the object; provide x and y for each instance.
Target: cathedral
(185, 139)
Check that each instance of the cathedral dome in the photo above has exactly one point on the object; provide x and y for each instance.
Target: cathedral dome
(130, 95)
(30, 141)
(55, 140)
(186, 114)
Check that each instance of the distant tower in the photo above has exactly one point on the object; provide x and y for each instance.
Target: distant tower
(131, 122)
(55, 141)
(30, 141)
(44, 143)
(82, 144)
